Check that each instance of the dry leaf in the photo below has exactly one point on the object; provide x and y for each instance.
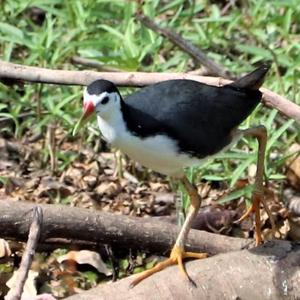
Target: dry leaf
(4, 248)
(284, 229)
(130, 177)
(292, 201)
(51, 186)
(40, 297)
(252, 170)
(6, 164)
(29, 291)
(294, 224)
(110, 189)
(73, 175)
(43, 297)
(90, 180)
(293, 166)
(86, 257)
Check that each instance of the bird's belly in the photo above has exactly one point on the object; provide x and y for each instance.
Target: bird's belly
(158, 153)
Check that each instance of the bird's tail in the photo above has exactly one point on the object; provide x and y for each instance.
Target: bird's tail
(253, 80)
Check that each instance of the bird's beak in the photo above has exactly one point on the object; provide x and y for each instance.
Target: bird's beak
(87, 113)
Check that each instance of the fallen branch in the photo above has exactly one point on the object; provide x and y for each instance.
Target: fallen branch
(16, 291)
(116, 230)
(269, 272)
(138, 79)
(198, 55)
(49, 245)
(43, 75)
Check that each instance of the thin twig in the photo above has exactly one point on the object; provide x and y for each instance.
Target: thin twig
(198, 55)
(52, 146)
(35, 74)
(23, 115)
(200, 71)
(225, 9)
(16, 291)
(93, 64)
(39, 101)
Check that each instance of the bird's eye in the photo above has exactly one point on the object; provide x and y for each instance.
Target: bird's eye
(104, 100)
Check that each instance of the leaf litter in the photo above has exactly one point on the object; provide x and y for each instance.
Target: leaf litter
(91, 180)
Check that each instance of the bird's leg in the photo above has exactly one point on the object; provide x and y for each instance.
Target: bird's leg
(118, 172)
(260, 133)
(178, 254)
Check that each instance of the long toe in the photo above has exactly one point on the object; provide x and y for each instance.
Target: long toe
(176, 257)
(249, 211)
(160, 266)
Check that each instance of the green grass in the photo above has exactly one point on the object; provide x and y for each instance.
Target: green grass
(107, 32)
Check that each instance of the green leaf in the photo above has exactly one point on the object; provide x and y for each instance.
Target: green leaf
(276, 134)
(214, 177)
(241, 168)
(112, 31)
(91, 277)
(10, 116)
(245, 191)
(124, 264)
(257, 51)
(11, 31)
(287, 20)
(2, 106)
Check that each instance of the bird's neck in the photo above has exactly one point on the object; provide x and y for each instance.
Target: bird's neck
(112, 126)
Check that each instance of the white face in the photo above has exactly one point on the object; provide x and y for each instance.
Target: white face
(105, 104)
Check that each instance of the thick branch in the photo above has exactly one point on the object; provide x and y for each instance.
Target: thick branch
(121, 231)
(270, 272)
(42, 75)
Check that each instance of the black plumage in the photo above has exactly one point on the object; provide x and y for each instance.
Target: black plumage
(199, 117)
(98, 86)
(162, 123)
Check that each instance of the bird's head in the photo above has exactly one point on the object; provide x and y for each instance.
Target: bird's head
(101, 97)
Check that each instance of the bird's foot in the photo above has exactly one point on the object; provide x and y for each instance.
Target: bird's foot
(247, 214)
(254, 208)
(176, 257)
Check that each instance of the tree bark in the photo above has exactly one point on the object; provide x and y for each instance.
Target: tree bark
(117, 230)
(269, 272)
(43, 75)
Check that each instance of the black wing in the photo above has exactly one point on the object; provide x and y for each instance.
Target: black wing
(199, 117)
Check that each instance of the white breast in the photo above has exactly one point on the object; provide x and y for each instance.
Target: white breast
(158, 153)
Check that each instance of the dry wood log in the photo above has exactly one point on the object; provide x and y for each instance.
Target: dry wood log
(269, 272)
(128, 232)
(43, 75)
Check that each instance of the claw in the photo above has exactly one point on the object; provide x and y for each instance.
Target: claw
(245, 215)
(257, 197)
(176, 257)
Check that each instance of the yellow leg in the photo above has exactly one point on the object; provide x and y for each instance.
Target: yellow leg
(260, 133)
(178, 254)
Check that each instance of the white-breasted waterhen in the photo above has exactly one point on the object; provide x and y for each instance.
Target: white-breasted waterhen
(176, 124)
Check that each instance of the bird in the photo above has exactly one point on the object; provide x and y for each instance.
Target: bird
(175, 124)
